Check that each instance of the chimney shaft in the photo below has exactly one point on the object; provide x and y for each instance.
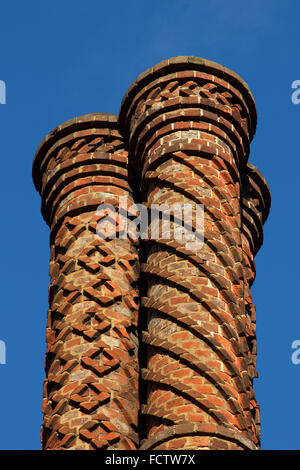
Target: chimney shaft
(91, 386)
(189, 123)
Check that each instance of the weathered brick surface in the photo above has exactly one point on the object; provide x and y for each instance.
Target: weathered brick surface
(91, 386)
(188, 124)
(182, 137)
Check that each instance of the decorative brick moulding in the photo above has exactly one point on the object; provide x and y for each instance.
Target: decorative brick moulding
(165, 358)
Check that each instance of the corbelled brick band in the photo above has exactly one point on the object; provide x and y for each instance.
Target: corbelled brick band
(188, 124)
(91, 386)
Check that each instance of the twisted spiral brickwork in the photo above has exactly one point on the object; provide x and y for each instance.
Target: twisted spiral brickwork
(188, 124)
(182, 138)
(91, 386)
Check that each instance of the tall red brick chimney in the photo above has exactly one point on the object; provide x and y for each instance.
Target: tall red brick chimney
(188, 123)
(182, 137)
(91, 386)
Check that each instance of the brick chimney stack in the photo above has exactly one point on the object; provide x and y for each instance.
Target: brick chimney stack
(165, 359)
(91, 386)
(188, 124)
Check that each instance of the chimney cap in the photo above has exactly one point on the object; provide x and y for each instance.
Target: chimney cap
(182, 63)
(72, 125)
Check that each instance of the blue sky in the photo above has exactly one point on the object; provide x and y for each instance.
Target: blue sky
(64, 58)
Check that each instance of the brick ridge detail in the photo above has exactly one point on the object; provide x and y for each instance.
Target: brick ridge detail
(188, 429)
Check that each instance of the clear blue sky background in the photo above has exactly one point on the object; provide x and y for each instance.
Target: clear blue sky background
(64, 58)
